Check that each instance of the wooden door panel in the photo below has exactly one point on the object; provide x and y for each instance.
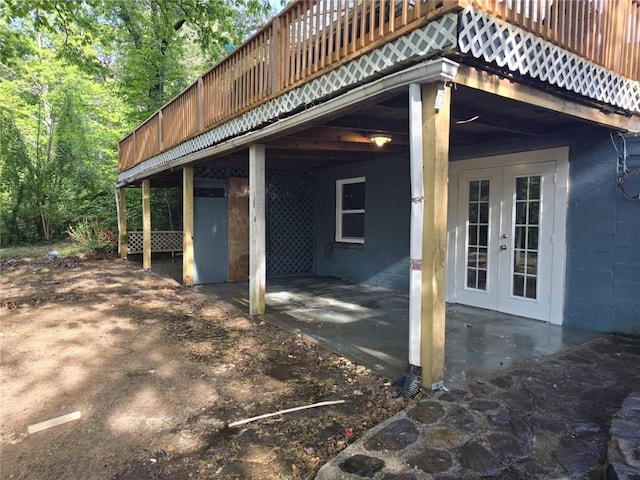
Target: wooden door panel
(238, 201)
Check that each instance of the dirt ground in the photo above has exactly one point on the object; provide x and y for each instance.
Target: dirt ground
(157, 372)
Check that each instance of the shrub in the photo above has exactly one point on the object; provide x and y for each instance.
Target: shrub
(93, 237)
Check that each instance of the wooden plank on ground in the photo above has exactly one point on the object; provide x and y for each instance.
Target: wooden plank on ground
(53, 422)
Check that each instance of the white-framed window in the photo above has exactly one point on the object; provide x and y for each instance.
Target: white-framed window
(350, 210)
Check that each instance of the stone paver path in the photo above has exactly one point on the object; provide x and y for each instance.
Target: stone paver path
(548, 418)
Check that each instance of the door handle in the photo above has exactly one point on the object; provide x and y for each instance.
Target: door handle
(503, 247)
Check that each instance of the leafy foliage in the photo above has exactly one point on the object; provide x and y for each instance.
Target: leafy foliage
(74, 77)
(92, 237)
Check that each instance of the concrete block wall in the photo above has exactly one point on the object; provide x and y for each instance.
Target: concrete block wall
(603, 230)
(384, 258)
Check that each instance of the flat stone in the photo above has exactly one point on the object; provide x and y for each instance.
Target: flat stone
(617, 471)
(475, 457)
(632, 402)
(504, 381)
(399, 476)
(516, 400)
(609, 397)
(454, 395)
(550, 423)
(395, 436)
(521, 429)
(577, 456)
(572, 357)
(447, 437)
(484, 405)
(362, 465)
(481, 388)
(500, 419)
(624, 428)
(432, 460)
(505, 446)
(427, 412)
(625, 450)
(460, 417)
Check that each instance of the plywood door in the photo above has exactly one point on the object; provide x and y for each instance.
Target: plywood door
(238, 201)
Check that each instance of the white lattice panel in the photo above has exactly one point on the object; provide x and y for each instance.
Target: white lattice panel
(161, 241)
(510, 47)
(424, 42)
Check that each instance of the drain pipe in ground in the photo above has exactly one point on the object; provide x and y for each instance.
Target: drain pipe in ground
(412, 381)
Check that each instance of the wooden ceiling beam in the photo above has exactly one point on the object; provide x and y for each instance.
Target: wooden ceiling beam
(303, 143)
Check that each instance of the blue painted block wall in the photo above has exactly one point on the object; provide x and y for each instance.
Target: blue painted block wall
(384, 258)
(603, 256)
(603, 230)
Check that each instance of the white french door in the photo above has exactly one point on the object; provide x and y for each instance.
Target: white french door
(504, 226)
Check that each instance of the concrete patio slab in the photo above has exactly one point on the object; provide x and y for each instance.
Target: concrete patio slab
(370, 325)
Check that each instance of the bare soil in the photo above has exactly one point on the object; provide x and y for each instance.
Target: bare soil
(158, 371)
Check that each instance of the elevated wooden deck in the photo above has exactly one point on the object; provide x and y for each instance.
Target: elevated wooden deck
(312, 37)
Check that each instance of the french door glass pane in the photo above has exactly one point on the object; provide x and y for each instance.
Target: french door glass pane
(478, 234)
(525, 237)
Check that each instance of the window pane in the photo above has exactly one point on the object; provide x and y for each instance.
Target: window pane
(353, 196)
(521, 213)
(534, 210)
(532, 263)
(534, 188)
(353, 225)
(532, 239)
(522, 189)
(518, 285)
(472, 257)
(473, 235)
(484, 191)
(531, 287)
(484, 213)
(474, 193)
(483, 240)
(482, 258)
(471, 278)
(519, 237)
(518, 261)
(482, 279)
(473, 213)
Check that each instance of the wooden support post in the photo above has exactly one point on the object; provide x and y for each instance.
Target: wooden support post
(187, 225)
(122, 223)
(257, 229)
(146, 225)
(436, 99)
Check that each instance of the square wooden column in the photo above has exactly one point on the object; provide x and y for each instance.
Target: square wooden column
(436, 114)
(146, 225)
(122, 223)
(257, 229)
(187, 226)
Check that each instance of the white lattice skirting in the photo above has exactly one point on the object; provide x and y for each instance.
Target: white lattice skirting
(510, 47)
(161, 241)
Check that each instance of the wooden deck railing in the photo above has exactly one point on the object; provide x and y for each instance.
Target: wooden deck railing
(311, 37)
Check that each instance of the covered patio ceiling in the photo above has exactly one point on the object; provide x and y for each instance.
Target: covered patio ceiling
(477, 118)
